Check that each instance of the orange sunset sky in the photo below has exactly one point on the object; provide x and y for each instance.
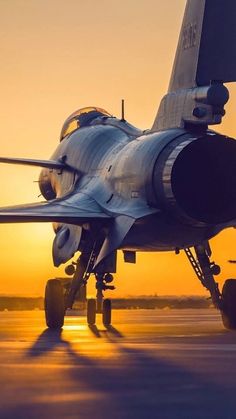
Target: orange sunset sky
(58, 56)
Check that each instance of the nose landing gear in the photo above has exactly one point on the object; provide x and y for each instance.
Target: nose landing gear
(104, 306)
(99, 305)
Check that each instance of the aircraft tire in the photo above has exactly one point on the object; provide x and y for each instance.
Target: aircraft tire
(54, 304)
(91, 311)
(106, 312)
(228, 311)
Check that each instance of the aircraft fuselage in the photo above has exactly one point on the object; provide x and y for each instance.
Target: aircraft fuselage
(153, 177)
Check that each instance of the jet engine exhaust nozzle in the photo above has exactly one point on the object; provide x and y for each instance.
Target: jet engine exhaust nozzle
(199, 179)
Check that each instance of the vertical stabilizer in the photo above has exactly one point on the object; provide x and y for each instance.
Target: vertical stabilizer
(186, 58)
(205, 56)
(217, 55)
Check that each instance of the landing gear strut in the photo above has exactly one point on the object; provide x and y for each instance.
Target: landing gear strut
(57, 300)
(205, 271)
(82, 273)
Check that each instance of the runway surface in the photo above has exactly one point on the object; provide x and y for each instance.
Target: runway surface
(151, 364)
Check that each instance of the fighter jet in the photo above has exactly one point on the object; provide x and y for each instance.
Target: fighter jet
(110, 186)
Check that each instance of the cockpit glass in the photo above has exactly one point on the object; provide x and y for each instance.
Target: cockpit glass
(71, 126)
(81, 118)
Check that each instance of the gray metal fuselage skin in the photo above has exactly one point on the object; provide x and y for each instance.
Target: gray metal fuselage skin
(116, 166)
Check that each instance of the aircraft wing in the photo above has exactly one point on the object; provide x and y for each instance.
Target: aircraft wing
(75, 208)
(51, 164)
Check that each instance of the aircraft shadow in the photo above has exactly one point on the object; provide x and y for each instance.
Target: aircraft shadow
(93, 328)
(142, 383)
(114, 331)
(109, 329)
(47, 342)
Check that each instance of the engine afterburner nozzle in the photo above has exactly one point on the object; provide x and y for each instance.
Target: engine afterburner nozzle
(204, 179)
(199, 179)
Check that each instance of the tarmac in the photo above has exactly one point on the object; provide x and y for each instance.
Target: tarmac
(175, 364)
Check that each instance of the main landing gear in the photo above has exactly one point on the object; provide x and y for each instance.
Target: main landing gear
(205, 271)
(58, 300)
(54, 304)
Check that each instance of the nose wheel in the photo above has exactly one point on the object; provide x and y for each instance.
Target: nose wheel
(106, 312)
(100, 305)
(92, 311)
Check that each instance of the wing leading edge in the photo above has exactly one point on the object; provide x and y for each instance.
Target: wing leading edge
(73, 209)
(51, 164)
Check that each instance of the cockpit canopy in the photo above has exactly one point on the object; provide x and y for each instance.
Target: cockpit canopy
(81, 118)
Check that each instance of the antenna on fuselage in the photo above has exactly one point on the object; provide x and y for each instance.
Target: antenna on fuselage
(122, 110)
